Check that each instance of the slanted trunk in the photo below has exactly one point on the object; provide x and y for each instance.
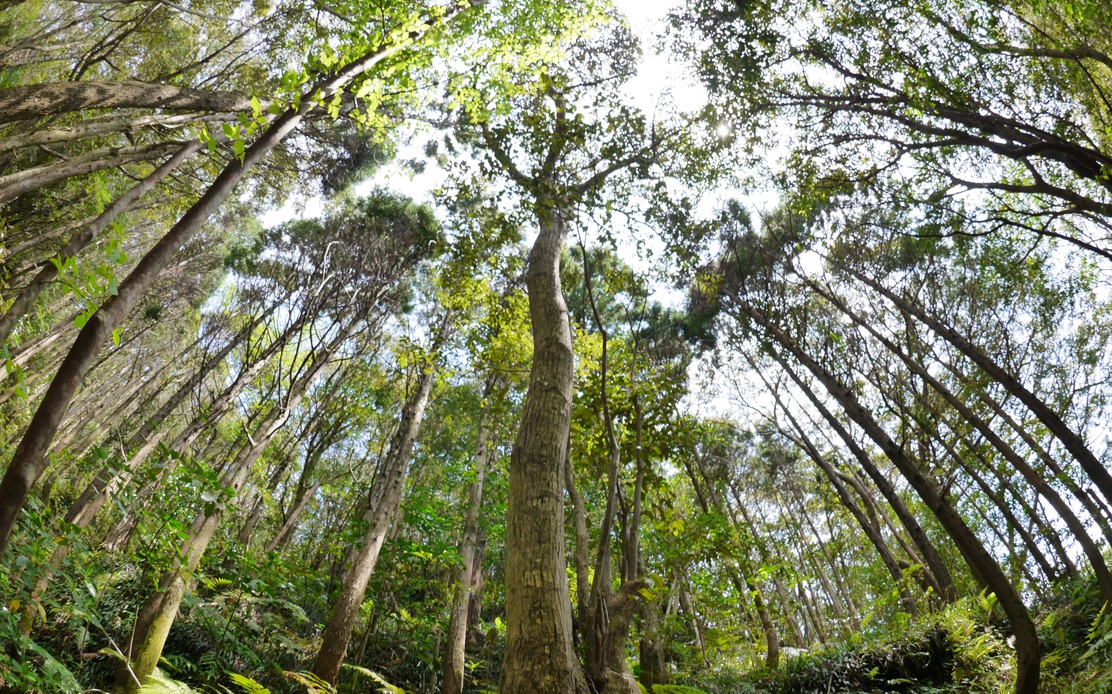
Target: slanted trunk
(461, 597)
(57, 98)
(932, 494)
(26, 297)
(1072, 441)
(1037, 482)
(941, 576)
(385, 498)
(29, 460)
(152, 627)
(16, 184)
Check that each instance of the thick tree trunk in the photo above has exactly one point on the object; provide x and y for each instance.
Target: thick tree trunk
(461, 597)
(651, 650)
(385, 498)
(932, 494)
(539, 657)
(54, 99)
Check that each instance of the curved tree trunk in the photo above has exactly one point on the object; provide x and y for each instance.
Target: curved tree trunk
(539, 657)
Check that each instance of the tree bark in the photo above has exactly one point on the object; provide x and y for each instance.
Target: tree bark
(54, 99)
(385, 498)
(539, 657)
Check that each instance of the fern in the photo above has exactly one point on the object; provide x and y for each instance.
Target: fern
(386, 687)
(247, 684)
(312, 683)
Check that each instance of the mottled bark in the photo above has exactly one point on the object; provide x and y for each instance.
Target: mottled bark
(385, 498)
(539, 657)
(57, 98)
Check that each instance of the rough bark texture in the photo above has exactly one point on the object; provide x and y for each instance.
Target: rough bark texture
(38, 100)
(385, 497)
(539, 657)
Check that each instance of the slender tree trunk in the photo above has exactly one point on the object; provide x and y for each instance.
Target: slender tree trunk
(30, 456)
(153, 624)
(932, 494)
(159, 611)
(539, 657)
(81, 131)
(26, 297)
(385, 498)
(16, 184)
(285, 531)
(933, 559)
(1073, 442)
(1077, 528)
(457, 622)
(871, 531)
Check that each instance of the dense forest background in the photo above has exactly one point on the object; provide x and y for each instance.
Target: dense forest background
(792, 377)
